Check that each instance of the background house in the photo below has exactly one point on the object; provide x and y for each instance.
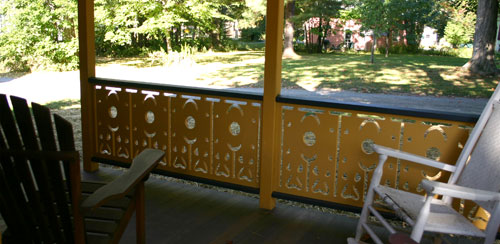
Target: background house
(348, 35)
(429, 39)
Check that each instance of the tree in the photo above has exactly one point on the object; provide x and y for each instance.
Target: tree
(288, 51)
(252, 22)
(378, 17)
(129, 27)
(318, 13)
(413, 15)
(39, 34)
(483, 55)
(460, 28)
(384, 17)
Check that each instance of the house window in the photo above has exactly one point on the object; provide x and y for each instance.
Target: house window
(347, 39)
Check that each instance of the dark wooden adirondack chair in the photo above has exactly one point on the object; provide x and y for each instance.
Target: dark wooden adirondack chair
(41, 197)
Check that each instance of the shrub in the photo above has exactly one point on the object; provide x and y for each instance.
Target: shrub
(253, 34)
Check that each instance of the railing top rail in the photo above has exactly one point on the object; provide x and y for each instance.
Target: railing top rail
(421, 113)
(176, 88)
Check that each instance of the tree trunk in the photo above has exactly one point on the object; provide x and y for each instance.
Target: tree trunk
(374, 45)
(166, 42)
(288, 51)
(387, 46)
(483, 54)
(215, 36)
(310, 42)
(319, 48)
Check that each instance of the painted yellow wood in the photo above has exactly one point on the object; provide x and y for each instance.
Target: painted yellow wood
(205, 136)
(87, 69)
(325, 152)
(272, 88)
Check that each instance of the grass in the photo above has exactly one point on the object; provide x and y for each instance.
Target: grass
(406, 74)
(63, 104)
(398, 74)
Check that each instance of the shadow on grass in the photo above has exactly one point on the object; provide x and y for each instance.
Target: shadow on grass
(407, 74)
(63, 104)
(397, 74)
(9, 76)
(199, 58)
(228, 59)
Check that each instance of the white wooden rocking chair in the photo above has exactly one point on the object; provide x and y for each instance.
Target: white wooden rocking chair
(475, 176)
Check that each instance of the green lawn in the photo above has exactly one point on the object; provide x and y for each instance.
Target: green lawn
(410, 74)
(405, 74)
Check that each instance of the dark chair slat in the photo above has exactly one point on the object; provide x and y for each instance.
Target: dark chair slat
(45, 130)
(11, 212)
(104, 213)
(29, 139)
(98, 238)
(66, 141)
(41, 193)
(101, 226)
(16, 171)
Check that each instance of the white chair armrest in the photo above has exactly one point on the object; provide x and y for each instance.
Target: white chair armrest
(455, 191)
(412, 157)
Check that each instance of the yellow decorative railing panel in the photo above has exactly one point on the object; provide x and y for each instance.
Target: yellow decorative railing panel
(326, 153)
(324, 148)
(205, 136)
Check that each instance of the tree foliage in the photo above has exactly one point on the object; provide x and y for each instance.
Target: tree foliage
(318, 13)
(460, 27)
(385, 17)
(38, 34)
(43, 33)
(378, 18)
(166, 25)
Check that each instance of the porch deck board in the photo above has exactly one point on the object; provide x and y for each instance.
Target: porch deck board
(184, 213)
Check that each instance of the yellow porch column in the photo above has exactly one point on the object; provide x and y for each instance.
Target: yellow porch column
(86, 36)
(270, 117)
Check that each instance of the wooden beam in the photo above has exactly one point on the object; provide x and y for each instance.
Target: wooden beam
(86, 36)
(270, 116)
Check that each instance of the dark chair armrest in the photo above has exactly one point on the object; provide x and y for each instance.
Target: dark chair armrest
(141, 166)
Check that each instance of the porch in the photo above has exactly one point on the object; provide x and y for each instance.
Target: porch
(212, 137)
(179, 212)
(271, 146)
(184, 212)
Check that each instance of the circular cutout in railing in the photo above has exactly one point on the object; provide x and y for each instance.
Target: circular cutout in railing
(234, 128)
(309, 138)
(190, 122)
(150, 117)
(433, 153)
(113, 112)
(367, 146)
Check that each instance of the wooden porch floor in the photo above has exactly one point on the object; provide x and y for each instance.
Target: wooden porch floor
(183, 213)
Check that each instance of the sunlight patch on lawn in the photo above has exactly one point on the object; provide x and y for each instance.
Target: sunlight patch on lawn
(417, 74)
(391, 76)
(309, 85)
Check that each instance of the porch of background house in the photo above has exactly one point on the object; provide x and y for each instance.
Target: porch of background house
(269, 146)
